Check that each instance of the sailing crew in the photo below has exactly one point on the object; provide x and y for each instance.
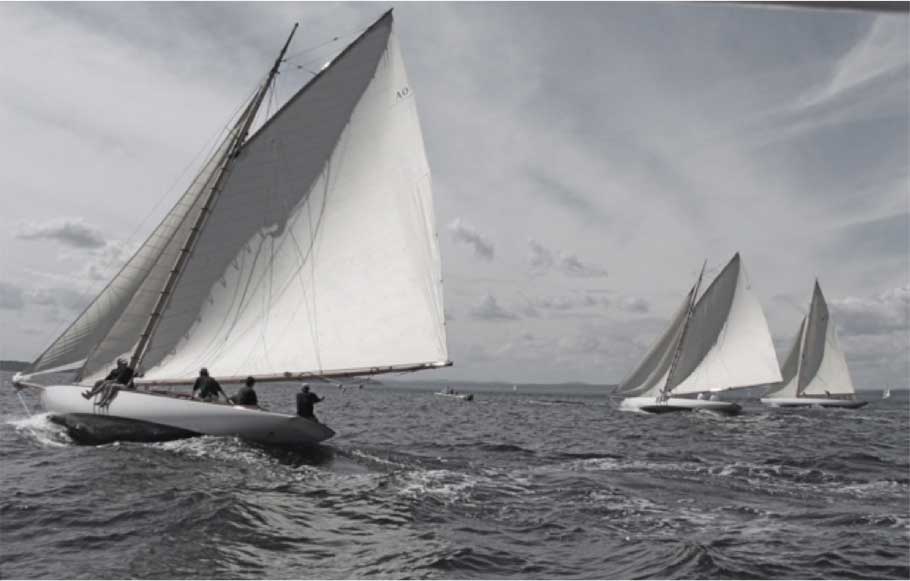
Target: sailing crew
(122, 375)
(305, 401)
(247, 395)
(207, 387)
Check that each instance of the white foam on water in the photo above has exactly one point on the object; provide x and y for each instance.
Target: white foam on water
(214, 448)
(42, 429)
(373, 459)
(443, 485)
(875, 487)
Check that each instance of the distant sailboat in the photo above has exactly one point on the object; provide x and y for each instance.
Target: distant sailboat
(449, 392)
(307, 250)
(887, 393)
(815, 372)
(715, 342)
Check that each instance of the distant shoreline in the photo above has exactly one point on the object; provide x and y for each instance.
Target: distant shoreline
(10, 365)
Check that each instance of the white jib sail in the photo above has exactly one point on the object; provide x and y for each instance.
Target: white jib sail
(320, 253)
(787, 387)
(112, 322)
(651, 374)
(738, 352)
(824, 363)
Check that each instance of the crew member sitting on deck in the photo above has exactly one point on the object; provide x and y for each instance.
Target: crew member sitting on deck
(122, 375)
(305, 401)
(246, 395)
(207, 387)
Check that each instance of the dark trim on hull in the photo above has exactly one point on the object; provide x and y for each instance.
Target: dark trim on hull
(97, 429)
(732, 410)
(844, 406)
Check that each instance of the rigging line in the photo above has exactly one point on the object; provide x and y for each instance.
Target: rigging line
(19, 394)
(291, 57)
(207, 146)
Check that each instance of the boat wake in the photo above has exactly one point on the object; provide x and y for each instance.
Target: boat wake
(40, 428)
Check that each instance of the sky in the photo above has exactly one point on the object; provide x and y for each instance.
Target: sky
(586, 158)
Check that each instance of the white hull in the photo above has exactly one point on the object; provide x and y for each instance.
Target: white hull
(678, 404)
(464, 396)
(134, 415)
(786, 402)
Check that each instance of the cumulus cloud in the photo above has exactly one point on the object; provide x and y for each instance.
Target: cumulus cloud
(462, 233)
(886, 313)
(634, 305)
(107, 261)
(488, 309)
(72, 232)
(583, 344)
(541, 260)
(571, 265)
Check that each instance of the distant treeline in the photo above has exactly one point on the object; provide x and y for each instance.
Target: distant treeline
(13, 365)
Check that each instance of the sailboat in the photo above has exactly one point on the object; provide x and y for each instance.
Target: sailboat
(887, 393)
(718, 340)
(815, 372)
(304, 250)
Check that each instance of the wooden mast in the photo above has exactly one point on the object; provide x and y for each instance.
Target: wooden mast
(233, 150)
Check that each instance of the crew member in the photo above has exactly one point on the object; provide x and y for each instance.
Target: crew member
(247, 395)
(305, 402)
(207, 387)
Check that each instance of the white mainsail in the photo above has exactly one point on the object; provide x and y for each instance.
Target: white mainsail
(817, 365)
(319, 253)
(723, 344)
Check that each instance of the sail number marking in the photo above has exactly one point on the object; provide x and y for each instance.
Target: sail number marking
(403, 92)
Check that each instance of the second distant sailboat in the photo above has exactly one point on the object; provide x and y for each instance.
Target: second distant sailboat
(716, 341)
(815, 372)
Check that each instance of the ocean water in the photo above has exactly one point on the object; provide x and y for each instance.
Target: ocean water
(535, 483)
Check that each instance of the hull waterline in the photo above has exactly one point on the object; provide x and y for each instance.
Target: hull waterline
(145, 417)
(821, 402)
(678, 404)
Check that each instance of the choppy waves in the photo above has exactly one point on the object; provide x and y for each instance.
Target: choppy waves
(505, 487)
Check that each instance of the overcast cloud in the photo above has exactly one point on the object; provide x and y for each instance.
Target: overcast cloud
(586, 158)
(67, 231)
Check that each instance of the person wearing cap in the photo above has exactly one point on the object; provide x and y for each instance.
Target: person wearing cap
(247, 395)
(207, 387)
(305, 401)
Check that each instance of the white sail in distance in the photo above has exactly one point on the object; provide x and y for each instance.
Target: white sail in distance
(725, 343)
(821, 367)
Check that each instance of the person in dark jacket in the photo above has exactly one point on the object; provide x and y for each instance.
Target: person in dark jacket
(246, 395)
(207, 387)
(305, 402)
(122, 375)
